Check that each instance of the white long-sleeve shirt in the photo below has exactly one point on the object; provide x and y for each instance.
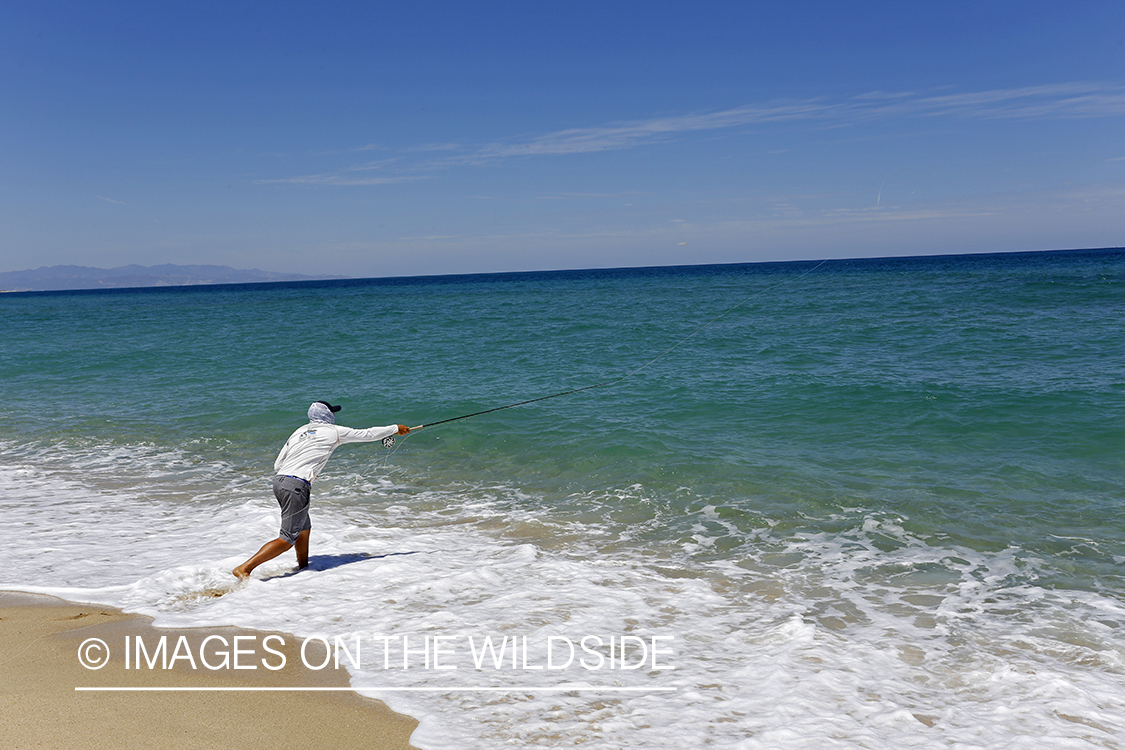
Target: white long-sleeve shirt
(307, 450)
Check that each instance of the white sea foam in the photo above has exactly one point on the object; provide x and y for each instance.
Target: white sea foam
(805, 640)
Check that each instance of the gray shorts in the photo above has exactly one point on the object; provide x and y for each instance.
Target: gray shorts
(293, 496)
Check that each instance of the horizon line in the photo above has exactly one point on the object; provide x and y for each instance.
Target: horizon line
(337, 279)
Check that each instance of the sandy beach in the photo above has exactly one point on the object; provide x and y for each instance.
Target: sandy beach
(40, 642)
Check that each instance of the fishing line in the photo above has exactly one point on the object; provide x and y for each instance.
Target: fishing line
(390, 441)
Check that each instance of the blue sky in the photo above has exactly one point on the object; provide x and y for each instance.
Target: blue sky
(381, 139)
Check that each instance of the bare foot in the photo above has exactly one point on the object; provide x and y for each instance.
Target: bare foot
(241, 573)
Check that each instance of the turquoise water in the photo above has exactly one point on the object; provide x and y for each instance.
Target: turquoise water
(928, 447)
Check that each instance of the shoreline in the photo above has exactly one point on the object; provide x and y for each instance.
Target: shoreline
(260, 699)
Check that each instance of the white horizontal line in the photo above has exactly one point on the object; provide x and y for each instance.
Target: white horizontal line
(447, 689)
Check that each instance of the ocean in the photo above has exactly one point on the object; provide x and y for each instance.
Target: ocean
(860, 503)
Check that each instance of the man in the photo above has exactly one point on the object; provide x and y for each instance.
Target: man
(297, 466)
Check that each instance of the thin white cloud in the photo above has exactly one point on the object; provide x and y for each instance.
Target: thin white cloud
(369, 166)
(1064, 100)
(353, 150)
(111, 200)
(883, 95)
(436, 147)
(641, 132)
(338, 178)
(1071, 100)
(345, 176)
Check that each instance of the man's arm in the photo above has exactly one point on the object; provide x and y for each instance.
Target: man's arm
(349, 435)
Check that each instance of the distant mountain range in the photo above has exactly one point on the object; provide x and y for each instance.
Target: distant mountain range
(55, 278)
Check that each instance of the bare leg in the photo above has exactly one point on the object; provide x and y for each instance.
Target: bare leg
(269, 551)
(302, 546)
